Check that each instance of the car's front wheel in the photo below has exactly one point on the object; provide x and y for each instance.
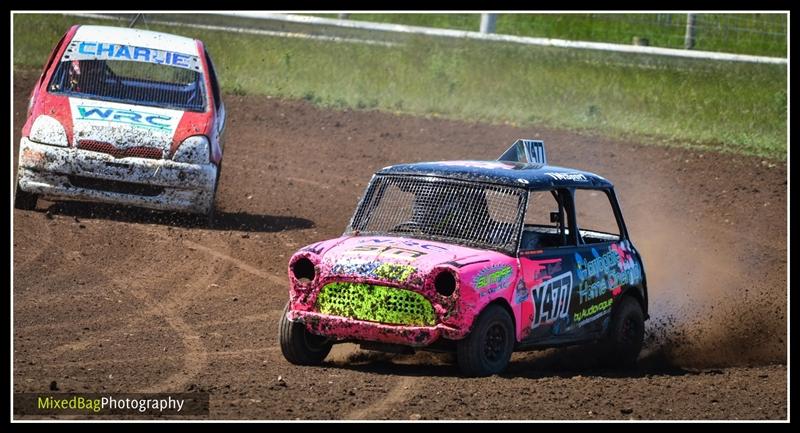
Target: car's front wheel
(25, 200)
(299, 346)
(488, 348)
(211, 215)
(209, 218)
(625, 334)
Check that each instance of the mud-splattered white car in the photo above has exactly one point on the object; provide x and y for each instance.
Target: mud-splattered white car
(124, 116)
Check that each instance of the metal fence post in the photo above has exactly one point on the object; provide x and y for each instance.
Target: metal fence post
(343, 16)
(688, 41)
(135, 20)
(488, 23)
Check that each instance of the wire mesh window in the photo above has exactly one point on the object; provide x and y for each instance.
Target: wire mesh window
(134, 82)
(476, 214)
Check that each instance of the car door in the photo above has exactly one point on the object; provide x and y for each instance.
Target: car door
(546, 259)
(606, 265)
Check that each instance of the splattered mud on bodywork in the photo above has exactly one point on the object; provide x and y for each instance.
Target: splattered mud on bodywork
(124, 124)
(389, 271)
(463, 252)
(383, 304)
(67, 173)
(384, 289)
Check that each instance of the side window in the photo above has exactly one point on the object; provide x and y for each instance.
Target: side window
(547, 220)
(596, 218)
(52, 57)
(214, 83)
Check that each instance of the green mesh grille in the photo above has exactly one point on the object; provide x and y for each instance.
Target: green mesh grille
(375, 303)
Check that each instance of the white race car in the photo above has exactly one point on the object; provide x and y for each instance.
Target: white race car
(124, 116)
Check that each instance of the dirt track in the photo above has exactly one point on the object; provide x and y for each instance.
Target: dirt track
(116, 300)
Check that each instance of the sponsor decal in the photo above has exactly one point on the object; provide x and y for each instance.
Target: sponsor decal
(536, 271)
(99, 50)
(492, 279)
(577, 177)
(592, 312)
(551, 300)
(387, 271)
(603, 273)
(392, 251)
(521, 293)
(403, 242)
(314, 248)
(137, 118)
(395, 272)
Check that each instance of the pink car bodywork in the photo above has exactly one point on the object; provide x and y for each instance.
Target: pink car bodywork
(483, 277)
(442, 256)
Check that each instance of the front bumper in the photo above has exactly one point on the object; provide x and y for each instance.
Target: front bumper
(343, 328)
(67, 173)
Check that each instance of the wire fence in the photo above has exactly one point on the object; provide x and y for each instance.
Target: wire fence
(760, 38)
(762, 34)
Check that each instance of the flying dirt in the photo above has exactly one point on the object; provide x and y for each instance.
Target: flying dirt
(110, 299)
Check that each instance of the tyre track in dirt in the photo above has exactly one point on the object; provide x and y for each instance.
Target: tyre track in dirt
(399, 393)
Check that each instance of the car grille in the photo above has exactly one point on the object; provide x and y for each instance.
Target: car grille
(375, 303)
(115, 186)
(119, 152)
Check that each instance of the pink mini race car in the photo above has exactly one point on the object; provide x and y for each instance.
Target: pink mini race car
(124, 116)
(481, 258)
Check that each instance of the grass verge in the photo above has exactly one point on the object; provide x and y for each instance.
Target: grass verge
(756, 34)
(730, 107)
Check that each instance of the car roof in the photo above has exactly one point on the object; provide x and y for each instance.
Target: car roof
(516, 174)
(138, 38)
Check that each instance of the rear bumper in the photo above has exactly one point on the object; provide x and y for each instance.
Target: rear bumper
(343, 328)
(67, 173)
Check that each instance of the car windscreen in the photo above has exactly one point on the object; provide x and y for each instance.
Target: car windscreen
(469, 213)
(142, 77)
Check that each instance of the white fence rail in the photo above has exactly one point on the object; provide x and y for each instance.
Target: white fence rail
(428, 31)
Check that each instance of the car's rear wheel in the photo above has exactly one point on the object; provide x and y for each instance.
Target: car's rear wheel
(625, 334)
(25, 200)
(299, 346)
(488, 347)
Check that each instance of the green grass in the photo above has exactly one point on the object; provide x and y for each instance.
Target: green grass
(756, 34)
(730, 107)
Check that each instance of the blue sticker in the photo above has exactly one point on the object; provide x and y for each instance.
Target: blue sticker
(130, 117)
(128, 52)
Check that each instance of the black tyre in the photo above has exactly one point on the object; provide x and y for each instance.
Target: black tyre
(488, 347)
(299, 346)
(625, 334)
(211, 216)
(25, 200)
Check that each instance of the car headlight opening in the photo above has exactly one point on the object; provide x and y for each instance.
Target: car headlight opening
(445, 282)
(303, 270)
(48, 130)
(193, 150)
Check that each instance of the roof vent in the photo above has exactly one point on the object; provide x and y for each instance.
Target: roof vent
(530, 151)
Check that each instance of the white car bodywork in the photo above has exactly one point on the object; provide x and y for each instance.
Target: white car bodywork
(104, 161)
